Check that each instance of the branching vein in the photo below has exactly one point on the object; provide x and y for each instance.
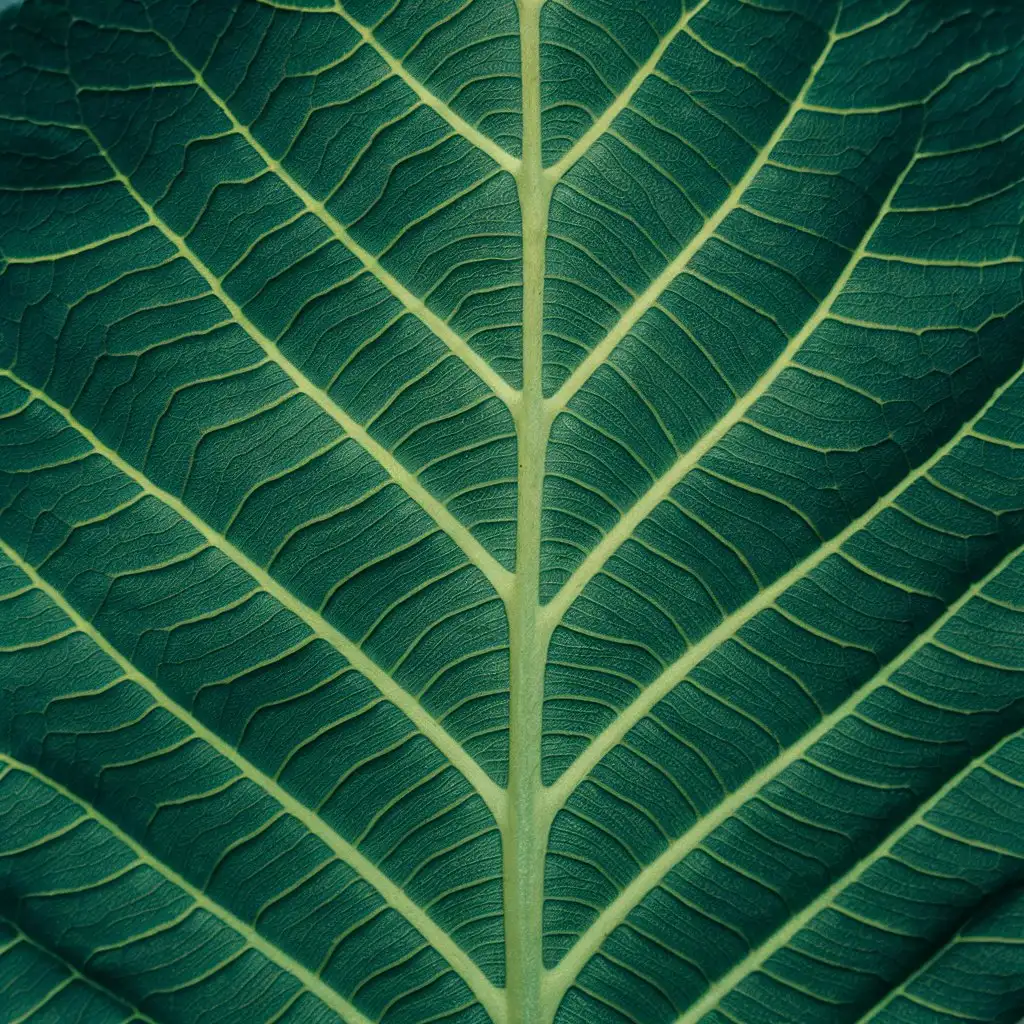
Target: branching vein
(345, 851)
(414, 305)
(492, 795)
(495, 572)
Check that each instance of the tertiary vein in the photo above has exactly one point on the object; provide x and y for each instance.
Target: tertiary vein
(74, 974)
(902, 990)
(443, 330)
(393, 894)
(252, 938)
(558, 169)
(652, 874)
(525, 812)
(489, 791)
(756, 958)
(675, 673)
(662, 487)
(475, 552)
(469, 132)
(472, 134)
(650, 296)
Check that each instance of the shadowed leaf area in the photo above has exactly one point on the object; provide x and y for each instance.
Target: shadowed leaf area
(512, 513)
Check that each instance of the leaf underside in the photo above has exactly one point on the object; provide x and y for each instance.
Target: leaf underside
(512, 513)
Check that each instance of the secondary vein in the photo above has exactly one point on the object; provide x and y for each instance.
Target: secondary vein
(489, 791)
(678, 670)
(472, 134)
(457, 344)
(628, 522)
(651, 876)
(784, 935)
(309, 980)
(478, 983)
(558, 170)
(497, 575)
(74, 974)
(650, 296)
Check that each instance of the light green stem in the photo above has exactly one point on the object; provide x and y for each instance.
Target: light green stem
(525, 836)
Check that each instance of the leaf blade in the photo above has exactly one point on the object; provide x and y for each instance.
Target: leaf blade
(517, 506)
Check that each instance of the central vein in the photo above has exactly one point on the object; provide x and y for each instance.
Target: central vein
(525, 837)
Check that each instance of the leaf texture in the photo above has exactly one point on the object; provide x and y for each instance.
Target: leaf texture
(511, 512)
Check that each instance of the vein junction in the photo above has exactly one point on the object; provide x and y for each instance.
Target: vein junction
(822, 541)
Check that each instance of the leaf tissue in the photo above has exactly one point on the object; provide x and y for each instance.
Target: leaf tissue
(512, 512)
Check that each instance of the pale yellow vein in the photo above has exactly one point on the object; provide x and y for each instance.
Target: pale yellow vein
(252, 938)
(498, 576)
(415, 305)
(393, 894)
(491, 793)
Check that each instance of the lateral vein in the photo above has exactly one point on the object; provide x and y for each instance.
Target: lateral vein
(782, 936)
(650, 296)
(483, 142)
(616, 911)
(479, 984)
(660, 490)
(558, 169)
(559, 792)
(309, 980)
(902, 989)
(489, 791)
(455, 342)
(74, 974)
(498, 576)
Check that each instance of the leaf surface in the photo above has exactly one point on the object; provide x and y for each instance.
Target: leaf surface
(511, 513)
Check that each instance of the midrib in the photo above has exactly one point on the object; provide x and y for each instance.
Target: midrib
(525, 835)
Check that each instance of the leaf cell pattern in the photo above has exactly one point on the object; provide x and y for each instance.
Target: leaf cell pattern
(511, 512)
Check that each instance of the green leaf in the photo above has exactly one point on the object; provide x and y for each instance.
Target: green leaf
(511, 513)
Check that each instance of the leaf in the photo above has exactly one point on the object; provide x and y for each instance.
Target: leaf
(511, 513)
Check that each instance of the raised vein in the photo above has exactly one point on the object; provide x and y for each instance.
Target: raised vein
(252, 938)
(679, 669)
(525, 841)
(483, 142)
(903, 989)
(784, 935)
(650, 296)
(492, 795)
(622, 530)
(74, 974)
(481, 987)
(457, 344)
(601, 125)
(616, 911)
(498, 576)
